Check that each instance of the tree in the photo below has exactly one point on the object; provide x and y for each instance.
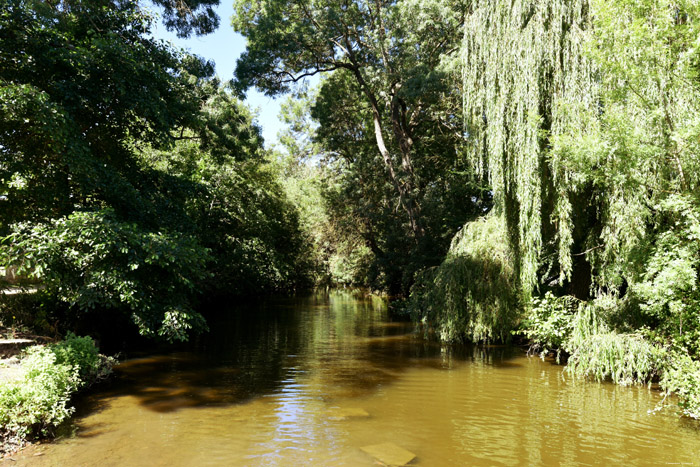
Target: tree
(582, 136)
(524, 75)
(128, 174)
(80, 85)
(394, 52)
(391, 101)
(583, 114)
(83, 88)
(187, 17)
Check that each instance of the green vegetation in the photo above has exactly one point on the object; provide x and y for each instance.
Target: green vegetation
(474, 292)
(35, 405)
(388, 128)
(132, 181)
(91, 259)
(583, 117)
(682, 378)
(522, 168)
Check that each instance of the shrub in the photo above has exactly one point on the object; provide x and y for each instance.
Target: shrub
(682, 378)
(549, 323)
(82, 353)
(91, 260)
(581, 329)
(474, 293)
(36, 404)
(39, 402)
(669, 287)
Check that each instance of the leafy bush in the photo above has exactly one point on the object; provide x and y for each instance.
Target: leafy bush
(550, 322)
(95, 260)
(669, 287)
(39, 402)
(682, 378)
(581, 329)
(82, 353)
(473, 294)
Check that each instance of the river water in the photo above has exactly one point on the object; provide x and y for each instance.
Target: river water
(311, 381)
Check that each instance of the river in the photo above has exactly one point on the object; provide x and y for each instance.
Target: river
(311, 381)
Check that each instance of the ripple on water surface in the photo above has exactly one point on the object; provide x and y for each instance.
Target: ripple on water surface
(311, 381)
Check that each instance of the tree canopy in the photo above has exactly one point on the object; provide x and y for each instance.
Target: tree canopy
(390, 105)
(129, 175)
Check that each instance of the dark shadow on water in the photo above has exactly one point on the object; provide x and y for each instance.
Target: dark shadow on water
(261, 349)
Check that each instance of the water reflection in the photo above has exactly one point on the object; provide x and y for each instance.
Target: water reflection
(309, 381)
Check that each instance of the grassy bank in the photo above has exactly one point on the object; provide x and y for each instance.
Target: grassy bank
(38, 399)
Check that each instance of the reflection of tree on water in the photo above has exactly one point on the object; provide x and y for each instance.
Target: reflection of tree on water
(343, 342)
(317, 378)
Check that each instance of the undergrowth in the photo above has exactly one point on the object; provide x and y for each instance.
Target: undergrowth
(33, 406)
(598, 350)
(682, 378)
(473, 294)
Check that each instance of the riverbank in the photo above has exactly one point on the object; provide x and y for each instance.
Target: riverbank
(37, 385)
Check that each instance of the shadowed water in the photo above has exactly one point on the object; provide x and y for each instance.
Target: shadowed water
(310, 381)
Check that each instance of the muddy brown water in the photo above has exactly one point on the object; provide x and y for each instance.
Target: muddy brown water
(310, 381)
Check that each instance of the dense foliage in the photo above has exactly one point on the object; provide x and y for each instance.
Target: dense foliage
(388, 120)
(474, 292)
(91, 259)
(130, 178)
(36, 404)
(583, 116)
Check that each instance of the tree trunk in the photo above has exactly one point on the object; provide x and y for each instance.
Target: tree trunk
(403, 185)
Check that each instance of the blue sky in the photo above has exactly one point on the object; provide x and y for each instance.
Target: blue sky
(223, 47)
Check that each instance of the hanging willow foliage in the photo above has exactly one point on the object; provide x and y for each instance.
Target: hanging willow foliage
(473, 294)
(524, 74)
(583, 115)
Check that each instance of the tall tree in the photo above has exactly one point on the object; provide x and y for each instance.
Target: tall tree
(367, 204)
(124, 166)
(394, 51)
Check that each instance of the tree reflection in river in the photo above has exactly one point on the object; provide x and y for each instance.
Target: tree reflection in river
(311, 380)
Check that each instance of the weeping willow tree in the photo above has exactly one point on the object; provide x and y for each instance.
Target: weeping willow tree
(526, 78)
(473, 294)
(583, 115)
